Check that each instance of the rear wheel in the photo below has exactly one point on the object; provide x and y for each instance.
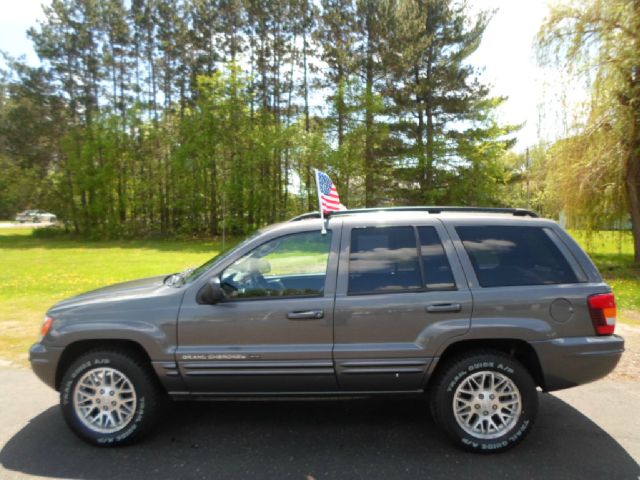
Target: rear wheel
(484, 401)
(109, 398)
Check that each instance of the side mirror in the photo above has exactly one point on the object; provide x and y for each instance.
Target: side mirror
(211, 293)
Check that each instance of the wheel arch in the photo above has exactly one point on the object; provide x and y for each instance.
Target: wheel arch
(519, 349)
(80, 347)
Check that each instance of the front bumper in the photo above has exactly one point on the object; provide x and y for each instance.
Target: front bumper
(567, 362)
(44, 362)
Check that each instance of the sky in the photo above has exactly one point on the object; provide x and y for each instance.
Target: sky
(15, 18)
(506, 57)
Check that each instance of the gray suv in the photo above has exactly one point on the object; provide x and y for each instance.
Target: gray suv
(474, 308)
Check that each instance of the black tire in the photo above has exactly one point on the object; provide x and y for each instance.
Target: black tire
(458, 370)
(146, 405)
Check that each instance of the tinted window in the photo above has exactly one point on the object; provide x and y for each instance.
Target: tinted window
(288, 266)
(383, 260)
(504, 256)
(437, 271)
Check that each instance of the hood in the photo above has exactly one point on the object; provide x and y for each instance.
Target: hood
(136, 289)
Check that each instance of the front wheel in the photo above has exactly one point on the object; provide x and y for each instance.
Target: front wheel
(109, 398)
(485, 402)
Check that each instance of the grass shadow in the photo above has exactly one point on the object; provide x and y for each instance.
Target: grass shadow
(25, 242)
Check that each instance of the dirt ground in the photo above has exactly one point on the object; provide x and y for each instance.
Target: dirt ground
(629, 366)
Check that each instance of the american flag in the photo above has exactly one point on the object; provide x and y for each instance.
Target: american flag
(329, 198)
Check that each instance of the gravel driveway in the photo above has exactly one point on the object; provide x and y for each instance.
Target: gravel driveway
(629, 366)
(589, 432)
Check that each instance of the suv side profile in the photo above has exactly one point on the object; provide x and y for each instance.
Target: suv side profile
(474, 308)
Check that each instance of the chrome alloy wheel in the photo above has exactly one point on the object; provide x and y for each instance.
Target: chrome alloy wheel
(487, 404)
(104, 400)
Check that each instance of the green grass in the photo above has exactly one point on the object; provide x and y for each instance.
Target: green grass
(37, 272)
(612, 252)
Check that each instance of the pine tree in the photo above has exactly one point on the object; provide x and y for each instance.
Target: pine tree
(437, 100)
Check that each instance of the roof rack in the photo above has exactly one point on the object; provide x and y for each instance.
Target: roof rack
(517, 212)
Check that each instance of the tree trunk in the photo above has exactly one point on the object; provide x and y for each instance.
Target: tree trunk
(369, 199)
(305, 82)
(340, 106)
(420, 135)
(307, 120)
(632, 179)
(427, 178)
(632, 170)
(213, 200)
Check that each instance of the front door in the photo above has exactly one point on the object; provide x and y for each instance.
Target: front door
(274, 333)
(401, 292)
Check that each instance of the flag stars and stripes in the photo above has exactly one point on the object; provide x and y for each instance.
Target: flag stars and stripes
(329, 198)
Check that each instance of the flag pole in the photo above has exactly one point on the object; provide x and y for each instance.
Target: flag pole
(323, 231)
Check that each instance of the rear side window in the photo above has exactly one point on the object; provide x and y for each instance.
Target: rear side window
(437, 271)
(511, 255)
(384, 260)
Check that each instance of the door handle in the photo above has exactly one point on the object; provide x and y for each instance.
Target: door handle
(443, 307)
(306, 315)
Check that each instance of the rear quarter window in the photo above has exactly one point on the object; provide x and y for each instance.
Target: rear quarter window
(515, 255)
(436, 268)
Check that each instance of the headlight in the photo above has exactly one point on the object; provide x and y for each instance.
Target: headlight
(47, 324)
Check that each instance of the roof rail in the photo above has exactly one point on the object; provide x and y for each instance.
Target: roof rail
(305, 216)
(517, 212)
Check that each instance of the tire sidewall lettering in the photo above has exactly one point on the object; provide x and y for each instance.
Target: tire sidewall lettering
(458, 373)
(80, 369)
(493, 445)
(97, 438)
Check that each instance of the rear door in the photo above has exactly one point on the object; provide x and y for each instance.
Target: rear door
(274, 333)
(526, 283)
(400, 293)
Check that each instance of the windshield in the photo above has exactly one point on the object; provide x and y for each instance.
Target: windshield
(192, 274)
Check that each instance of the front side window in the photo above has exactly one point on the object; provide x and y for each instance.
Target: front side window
(512, 255)
(293, 265)
(383, 260)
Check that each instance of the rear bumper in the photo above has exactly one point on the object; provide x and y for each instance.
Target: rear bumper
(567, 362)
(44, 362)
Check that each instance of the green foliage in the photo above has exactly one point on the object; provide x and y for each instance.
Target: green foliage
(141, 121)
(527, 174)
(18, 188)
(446, 142)
(597, 169)
(612, 251)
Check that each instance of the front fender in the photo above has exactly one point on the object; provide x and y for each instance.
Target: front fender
(149, 321)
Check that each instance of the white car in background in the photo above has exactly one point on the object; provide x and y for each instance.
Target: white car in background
(35, 216)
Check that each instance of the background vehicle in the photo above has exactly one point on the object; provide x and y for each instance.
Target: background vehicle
(26, 216)
(477, 308)
(36, 216)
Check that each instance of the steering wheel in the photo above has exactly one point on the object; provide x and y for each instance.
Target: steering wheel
(257, 281)
(229, 285)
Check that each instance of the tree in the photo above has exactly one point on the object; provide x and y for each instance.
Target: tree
(33, 118)
(336, 34)
(442, 113)
(600, 40)
(202, 116)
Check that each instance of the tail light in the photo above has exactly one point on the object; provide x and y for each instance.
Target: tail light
(602, 308)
